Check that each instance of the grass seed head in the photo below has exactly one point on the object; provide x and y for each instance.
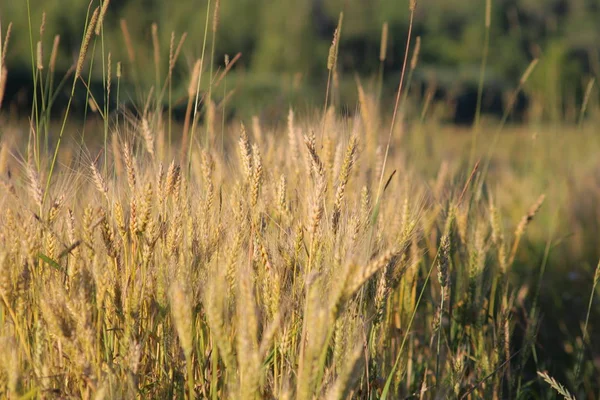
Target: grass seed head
(103, 10)
(54, 54)
(5, 45)
(39, 59)
(384, 42)
(86, 43)
(245, 153)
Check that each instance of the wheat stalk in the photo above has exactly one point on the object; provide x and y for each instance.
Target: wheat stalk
(245, 153)
(343, 181)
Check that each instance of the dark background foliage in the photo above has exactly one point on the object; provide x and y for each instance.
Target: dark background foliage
(283, 41)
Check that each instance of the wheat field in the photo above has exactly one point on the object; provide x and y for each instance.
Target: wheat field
(368, 256)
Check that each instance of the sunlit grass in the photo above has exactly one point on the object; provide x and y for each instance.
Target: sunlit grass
(319, 256)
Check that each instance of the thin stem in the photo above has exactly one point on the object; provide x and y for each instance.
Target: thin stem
(197, 99)
(486, 46)
(439, 339)
(585, 326)
(210, 76)
(34, 110)
(87, 92)
(106, 98)
(396, 106)
(388, 382)
(64, 122)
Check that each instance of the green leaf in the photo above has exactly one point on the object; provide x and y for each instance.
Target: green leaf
(32, 394)
(52, 263)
